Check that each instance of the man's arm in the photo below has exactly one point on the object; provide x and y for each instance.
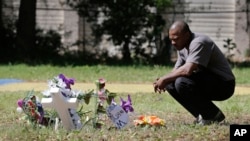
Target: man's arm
(185, 70)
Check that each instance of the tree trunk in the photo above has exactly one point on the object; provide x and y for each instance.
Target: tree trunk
(126, 53)
(164, 47)
(26, 29)
(1, 21)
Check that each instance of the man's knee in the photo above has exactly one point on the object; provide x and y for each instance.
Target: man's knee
(184, 85)
(170, 87)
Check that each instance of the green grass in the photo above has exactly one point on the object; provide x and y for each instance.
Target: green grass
(121, 74)
(178, 122)
(114, 74)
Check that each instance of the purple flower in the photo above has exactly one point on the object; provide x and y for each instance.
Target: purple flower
(127, 105)
(20, 103)
(67, 81)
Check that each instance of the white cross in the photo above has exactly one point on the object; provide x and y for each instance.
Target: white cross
(62, 105)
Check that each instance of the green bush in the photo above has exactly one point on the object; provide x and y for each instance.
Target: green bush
(47, 45)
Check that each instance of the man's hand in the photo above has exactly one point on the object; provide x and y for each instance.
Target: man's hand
(185, 70)
(159, 85)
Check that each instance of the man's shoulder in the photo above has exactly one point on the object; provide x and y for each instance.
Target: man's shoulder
(201, 38)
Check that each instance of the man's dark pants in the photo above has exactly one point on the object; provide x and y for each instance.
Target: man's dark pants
(197, 92)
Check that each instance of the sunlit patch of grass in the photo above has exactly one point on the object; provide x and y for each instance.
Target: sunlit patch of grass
(114, 74)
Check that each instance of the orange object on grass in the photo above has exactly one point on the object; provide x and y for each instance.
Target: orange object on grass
(151, 120)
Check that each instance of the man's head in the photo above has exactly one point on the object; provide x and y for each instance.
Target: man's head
(180, 35)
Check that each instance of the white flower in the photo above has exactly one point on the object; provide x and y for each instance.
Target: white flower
(51, 84)
(46, 93)
(60, 83)
(19, 109)
(76, 93)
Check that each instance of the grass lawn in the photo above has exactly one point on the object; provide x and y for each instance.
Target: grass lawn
(114, 74)
(179, 123)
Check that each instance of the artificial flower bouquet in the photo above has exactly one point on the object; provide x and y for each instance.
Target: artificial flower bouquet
(149, 121)
(32, 107)
(35, 113)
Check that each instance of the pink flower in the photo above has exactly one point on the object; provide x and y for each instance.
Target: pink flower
(20, 103)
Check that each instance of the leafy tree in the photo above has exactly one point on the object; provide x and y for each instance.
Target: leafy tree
(1, 22)
(126, 22)
(26, 28)
(7, 35)
(1, 3)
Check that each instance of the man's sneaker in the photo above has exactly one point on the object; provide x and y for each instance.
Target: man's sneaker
(217, 119)
(198, 119)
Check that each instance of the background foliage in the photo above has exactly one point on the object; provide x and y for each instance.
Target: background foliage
(127, 23)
